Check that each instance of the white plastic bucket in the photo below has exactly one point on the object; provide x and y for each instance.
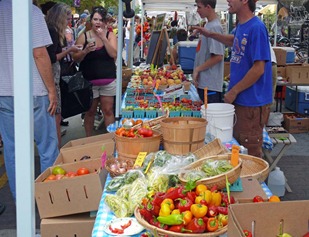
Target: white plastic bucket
(220, 118)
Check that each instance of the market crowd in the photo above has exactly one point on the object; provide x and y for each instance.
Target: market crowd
(88, 41)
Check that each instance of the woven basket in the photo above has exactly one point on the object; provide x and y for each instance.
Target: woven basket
(182, 135)
(128, 148)
(254, 167)
(111, 161)
(218, 180)
(162, 233)
(212, 148)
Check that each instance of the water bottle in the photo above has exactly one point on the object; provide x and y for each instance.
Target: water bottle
(276, 182)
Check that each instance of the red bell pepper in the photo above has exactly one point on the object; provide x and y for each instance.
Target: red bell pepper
(225, 200)
(116, 230)
(154, 221)
(222, 210)
(212, 211)
(184, 204)
(176, 193)
(247, 233)
(212, 224)
(191, 195)
(197, 225)
(146, 214)
(153, 208)
(178, 228)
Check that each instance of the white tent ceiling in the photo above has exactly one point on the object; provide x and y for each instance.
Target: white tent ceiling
(187, 5)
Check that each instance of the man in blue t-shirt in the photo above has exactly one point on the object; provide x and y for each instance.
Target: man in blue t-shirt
(250, 88)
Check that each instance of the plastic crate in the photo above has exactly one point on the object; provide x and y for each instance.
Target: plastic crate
(138, 113)
(127, 113)
(186, 113)
(175, 114)
(196, 114)
(151, 113)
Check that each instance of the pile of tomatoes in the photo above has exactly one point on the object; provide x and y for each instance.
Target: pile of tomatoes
(185, 209)
(144, 131)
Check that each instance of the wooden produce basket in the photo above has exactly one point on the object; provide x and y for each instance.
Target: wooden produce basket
(163, 233)
(254, 167)
(117, 161)
(128, 147)
(218, 180)
(212, 148)
(182, 135)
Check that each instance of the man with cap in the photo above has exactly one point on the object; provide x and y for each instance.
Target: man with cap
(81, 24)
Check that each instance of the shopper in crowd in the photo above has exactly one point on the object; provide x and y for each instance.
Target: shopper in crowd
(182, 35)
(44, 92)
(250, 87)
(97, 63)
(81, 25)
(57, 19)
(208, 63)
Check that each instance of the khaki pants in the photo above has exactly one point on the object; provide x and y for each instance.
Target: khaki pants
(248, 130)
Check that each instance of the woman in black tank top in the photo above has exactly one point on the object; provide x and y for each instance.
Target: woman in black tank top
(97, 63)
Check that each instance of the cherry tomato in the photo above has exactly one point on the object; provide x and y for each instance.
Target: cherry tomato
(258, 199)
(82, 171)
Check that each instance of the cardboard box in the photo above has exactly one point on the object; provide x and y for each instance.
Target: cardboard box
(93, 150)
(295, 123)
(251, 188)
(281, 72)
(71, 195)
(79, 225)
(226, 69)
(284, 55)
(105, 138)
(297, 74)
(267, 217)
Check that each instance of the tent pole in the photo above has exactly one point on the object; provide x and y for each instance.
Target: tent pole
(119, 60)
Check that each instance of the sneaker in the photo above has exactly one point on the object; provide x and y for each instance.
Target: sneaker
(64, 123)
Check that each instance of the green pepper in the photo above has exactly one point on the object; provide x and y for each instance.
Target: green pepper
(174, 219)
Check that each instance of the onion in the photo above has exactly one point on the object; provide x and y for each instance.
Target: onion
(114, 167)
(122, 170)
(124, 164)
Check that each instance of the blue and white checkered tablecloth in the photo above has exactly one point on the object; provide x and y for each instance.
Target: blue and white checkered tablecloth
(104, 215)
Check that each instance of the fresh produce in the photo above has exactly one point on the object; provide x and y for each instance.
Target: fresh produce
(144, 131)
(274, 198)
(82, 171)
(258, 198)
(119, 181)
(58, 170)
(247, 233)
(188, 216)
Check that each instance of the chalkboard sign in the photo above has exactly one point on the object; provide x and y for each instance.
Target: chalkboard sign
(157, 42)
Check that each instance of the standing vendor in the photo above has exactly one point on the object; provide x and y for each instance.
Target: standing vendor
(250, 88)
(208, 64)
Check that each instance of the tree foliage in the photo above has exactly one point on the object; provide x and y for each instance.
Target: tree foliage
(86, 4)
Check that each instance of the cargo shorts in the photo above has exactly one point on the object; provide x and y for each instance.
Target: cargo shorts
(248, 129)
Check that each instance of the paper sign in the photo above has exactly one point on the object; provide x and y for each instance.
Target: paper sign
(140, 159)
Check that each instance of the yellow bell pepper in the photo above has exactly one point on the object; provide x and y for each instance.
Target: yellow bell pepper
(165, 210)
(198, 210)
(205, 195)
(175, 211)
(216, 199)
(170, 202)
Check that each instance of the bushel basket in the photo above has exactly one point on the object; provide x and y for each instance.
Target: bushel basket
(218, 180)
(163, 233)
(182, 135)
(128, 147)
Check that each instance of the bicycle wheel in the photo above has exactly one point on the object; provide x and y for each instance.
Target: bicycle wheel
(302, 55)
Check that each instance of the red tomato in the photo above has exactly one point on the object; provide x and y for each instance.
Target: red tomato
(70, 174)
(82, 171)
(258, 199)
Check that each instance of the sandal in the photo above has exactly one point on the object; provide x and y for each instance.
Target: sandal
(2, 208)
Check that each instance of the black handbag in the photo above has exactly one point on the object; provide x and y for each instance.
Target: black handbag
(76, 95)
